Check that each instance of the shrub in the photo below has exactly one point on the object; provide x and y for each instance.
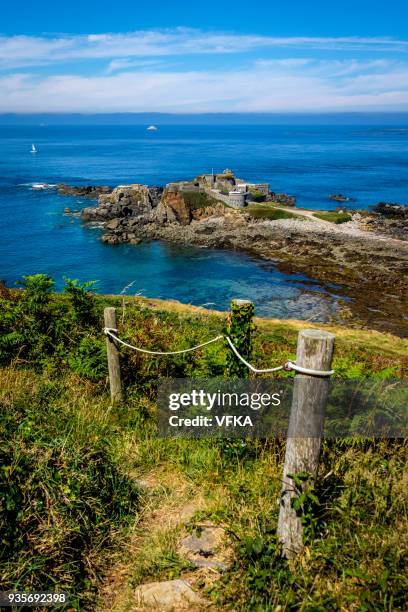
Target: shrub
(37, 326)
(89, 358)
(31, 326)
(57, 508)
(82, 300)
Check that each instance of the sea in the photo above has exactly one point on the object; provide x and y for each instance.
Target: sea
(368, 163)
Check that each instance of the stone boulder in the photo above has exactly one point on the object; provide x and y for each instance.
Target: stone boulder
(206, 548)
(112, 225)
(169, 595)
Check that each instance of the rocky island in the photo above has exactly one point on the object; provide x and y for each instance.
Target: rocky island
(367, 257)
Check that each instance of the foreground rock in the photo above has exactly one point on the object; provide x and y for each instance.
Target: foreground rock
(168, 595)
(205, 548)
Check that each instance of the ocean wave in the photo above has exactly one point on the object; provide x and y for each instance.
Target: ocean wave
(94, 224)
(38, 186)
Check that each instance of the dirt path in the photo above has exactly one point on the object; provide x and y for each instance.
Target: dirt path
(303, 212)
(158, 528)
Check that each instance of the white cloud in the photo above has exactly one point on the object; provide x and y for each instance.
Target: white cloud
(19, 51)
(152, 70)
(125, 64)
(305, 86)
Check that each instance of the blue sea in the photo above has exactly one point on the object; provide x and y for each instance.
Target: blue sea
(311, 162)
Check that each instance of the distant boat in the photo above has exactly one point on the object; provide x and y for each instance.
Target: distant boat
(152, 128)
(33, 149)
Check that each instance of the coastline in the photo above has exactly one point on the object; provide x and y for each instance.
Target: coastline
(368, 268)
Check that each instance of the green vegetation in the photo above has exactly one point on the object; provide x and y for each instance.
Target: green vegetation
(197, 199)
(71, 506)
(258, 196)
(333, 217)
(239, 328)
(266, 211)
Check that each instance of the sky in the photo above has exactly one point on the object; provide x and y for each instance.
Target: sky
(200, 57)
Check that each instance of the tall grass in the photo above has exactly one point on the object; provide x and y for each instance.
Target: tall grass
(70, 462)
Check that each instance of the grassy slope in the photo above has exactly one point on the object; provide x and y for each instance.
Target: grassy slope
(357, 561)
(333, 217)
(267, 211)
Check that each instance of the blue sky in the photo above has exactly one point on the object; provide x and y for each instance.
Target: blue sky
(209, 56)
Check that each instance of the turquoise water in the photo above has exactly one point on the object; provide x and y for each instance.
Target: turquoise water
(311, 162)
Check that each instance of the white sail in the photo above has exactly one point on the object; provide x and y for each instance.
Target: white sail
(33, 149)
(152, 128)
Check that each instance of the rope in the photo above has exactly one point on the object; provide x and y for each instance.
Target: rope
(108, 332)
(289, 365)
(248, 365)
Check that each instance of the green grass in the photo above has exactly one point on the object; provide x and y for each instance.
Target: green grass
(71, 506)
(197, 199)
(333, 217)
(269, 212)
(65, 500)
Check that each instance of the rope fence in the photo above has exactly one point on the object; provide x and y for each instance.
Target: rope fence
(313, 360)
(288, 365)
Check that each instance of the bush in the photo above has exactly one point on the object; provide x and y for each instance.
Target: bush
(89, 358)
(37, 326)
(61, 500)
(31, 326)
(82, 300)
(57, 508)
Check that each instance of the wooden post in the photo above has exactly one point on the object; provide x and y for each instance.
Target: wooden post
(314, 351)
(239, 329)
(113, 357)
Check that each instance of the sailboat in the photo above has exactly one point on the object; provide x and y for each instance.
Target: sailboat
(33, 149)
(151, 128)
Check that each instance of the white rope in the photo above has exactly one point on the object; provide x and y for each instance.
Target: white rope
(108, 332)
(289, 365)
(248, 365)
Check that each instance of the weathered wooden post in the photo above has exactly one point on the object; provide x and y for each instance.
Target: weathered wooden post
(315, 352)
(113, 357)
(239, 329)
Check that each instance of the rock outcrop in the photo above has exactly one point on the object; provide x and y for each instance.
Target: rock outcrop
(173, 208)
(369, 270)
(282, 198)
(124, 201)
(339, 197)
(388, 219)
(391, 210)
(87, 191)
